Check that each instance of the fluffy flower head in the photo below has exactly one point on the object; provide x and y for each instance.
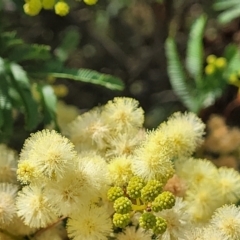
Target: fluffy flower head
(123, 114)
(8, 164)
(89, 131)
(120, 170)
(90, 223)
(177, 218)
(34, 208)
(184, 132)
(150, 162)
(48, 151)
(195, 171)
(226, 220)
(202, 200)
(7, 202)
(229, 181)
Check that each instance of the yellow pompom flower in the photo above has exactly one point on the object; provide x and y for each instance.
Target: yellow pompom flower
(8, 163)
(48, 4)
(7, 203)
(27, 172)
(89, 222)
(90, 2)
(183, 133)
(123, 114)
(220, 62)
(229, 184)
(61, 8)
(120, 170)
(209, 69)
(34, 208)
(32, 7)
(151, 162)
(60, 90)
(211, 59)
(48, 152)
(202, 200)
(226, 220)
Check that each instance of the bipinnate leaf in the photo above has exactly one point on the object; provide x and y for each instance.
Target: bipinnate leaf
(177, 75)
(91, 76)
(9, 40)
(33, 52)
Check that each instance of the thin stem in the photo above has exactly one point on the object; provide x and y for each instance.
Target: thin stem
(138, 207)
(39, 232)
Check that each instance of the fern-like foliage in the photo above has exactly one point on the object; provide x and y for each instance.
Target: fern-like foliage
(177, 74)
(198, 89)
(195, 53)
(230, 10)
(23, 65)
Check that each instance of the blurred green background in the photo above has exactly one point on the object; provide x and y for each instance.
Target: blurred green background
(126, 39)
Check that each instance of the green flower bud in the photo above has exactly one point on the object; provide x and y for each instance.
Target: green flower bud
(165, 200)
(114, 193)
(161, 226)
(122, 205)
(151, 190)
(147, 220)
(121, 220)
(134, 187)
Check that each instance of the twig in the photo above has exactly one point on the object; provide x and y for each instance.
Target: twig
(39, 232)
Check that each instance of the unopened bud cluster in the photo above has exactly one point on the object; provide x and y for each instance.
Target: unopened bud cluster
(141, 196)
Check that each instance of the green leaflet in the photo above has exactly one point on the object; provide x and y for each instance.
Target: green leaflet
(230, 8)
(21, 83)
(6, 118)
(194, 58)
(49, 102)
(229, 15)
(233, 64)
(223, 4)
(91, 76)
(20, 61)
(30, 52)
(9, 40)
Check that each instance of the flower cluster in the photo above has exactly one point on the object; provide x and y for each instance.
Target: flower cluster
(114, 130)
(61, 7)
(110, 178)
(208, 187)
(215, 64)
(146, 198)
